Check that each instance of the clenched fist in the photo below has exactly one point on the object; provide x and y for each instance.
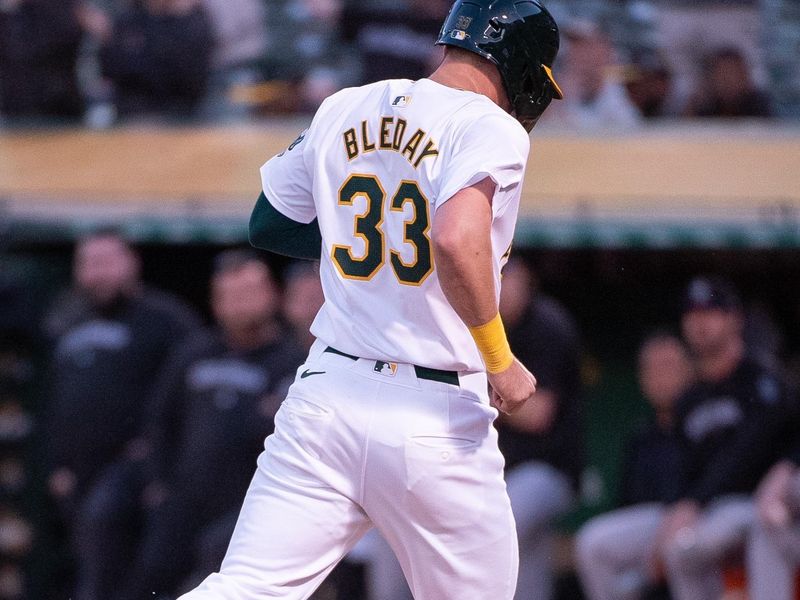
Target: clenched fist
(512, 388)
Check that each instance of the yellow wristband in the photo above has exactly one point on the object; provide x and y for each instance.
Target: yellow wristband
(493, 345)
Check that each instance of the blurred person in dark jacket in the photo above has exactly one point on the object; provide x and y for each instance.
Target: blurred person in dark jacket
(396, 42)
(611, 548)
(39, 46)
(211, 410)
(727, 88)
(109, 335)
(648, 82)
(542, 442)
(156, 55)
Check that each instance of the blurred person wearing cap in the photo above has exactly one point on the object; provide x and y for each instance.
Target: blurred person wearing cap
(732, 423)
(592, 81)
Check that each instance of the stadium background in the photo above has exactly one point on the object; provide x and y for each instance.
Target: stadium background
(614, 219)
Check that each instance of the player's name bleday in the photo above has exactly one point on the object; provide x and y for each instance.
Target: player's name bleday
(389, 133)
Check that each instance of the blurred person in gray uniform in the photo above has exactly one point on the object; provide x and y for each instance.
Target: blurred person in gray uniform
(611, 549)
(730, 424)
(773, 553)
(305, 50)
(780, 37)
(543, 442)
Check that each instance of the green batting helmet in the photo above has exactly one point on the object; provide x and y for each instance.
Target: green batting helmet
(521, 38)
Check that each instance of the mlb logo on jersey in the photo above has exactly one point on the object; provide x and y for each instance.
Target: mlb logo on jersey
(401, 101)
(385, 368)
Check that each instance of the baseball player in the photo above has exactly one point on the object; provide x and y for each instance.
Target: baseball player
(408, 191)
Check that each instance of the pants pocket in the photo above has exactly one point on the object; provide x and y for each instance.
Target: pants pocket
(304, 424)
(443, 483)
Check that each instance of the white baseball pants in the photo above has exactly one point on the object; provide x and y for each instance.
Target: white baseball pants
(354, 448)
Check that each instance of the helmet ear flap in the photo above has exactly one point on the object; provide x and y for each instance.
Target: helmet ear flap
(535, 95)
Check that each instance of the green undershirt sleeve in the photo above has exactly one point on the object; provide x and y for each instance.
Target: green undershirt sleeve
(273, 231)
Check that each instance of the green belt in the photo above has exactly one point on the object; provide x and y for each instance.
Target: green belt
(439, 375)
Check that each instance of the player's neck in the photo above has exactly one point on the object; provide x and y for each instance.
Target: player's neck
(463, 73)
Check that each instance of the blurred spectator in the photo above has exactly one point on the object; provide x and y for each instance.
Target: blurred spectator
(212, 409)
(302, 300)
(781, 38)
(156, 54)
(732, 425)
(398, 42)
(592, 81)
(305, 60)
(542, 443)
(649, 85)
(109, 335)
(727, 89)
(39, 44)
(773, 555)
(240, 41)
(611, 548)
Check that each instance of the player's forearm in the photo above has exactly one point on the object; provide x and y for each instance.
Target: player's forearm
(463, 254)
(465, 267)
(270, 230)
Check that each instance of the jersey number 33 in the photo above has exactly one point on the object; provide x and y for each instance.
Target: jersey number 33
(368, 226)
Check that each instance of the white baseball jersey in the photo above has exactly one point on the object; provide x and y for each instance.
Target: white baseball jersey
(373, 168)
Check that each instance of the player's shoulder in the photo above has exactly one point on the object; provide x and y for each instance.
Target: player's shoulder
(483, 118)
(349, 95)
